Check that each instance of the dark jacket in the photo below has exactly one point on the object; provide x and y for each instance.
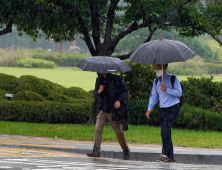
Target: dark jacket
(116, 87)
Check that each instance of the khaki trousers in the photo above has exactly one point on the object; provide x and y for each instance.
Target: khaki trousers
(101, 120)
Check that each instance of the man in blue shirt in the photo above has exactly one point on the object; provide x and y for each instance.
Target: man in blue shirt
(169, 99)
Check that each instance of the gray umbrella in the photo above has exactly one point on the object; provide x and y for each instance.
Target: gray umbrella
(161, 52)
(101, 64)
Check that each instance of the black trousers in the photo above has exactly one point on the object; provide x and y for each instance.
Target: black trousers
(167, 117)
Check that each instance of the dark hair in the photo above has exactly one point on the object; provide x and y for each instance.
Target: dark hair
(165, 65)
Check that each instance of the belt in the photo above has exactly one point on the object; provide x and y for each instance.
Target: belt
(169, 107)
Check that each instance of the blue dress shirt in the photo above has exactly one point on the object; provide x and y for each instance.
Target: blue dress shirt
(168, 98)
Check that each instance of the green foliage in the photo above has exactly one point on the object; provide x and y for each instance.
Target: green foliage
(139, 80)
(35, 63)
(32, 83)
(41, 101)
(192, 19)
(23, 58)
(58, 97)
(12, 56)
(202, 92)
(24, 41)
(62, 59)
(137, 110)
(198, 45)
(190, 117)
(7, 82)
(194, 66)
(78, 93)
(214, 68)
(28, 96)
(2, 94)
(44, 112)
(182, 71)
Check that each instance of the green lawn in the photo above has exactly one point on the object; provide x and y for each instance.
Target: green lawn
(216, 78)
(135, 134)
(66, 77)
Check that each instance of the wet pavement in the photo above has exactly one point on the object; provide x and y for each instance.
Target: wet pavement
(139, 152)
(48, 160)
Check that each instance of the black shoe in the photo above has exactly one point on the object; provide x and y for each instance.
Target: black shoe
(95, 153)
(161, 158)
(126, 154)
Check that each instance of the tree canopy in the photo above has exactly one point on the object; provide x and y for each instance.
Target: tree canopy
(103, 23)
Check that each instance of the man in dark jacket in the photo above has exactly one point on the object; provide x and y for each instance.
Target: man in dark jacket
(111, 91)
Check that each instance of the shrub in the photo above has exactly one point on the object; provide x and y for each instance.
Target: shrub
(2, 94)
(45, 112)
(11, 57)
(202, 92)
(214, 68)
(182, 71)
(137, 110)
(77, 93)
(32, 83)
(58, 97)
(7, 82)
(52, 86)
(28, 96)
(35, 63)
(190, 117)
(139, 80)
(194, 66)
(62, 59)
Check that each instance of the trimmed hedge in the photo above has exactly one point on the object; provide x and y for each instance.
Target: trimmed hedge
(35, 63)
(190, 117)
(8, 82)
(202, 92)
(32, 83)
(62, 59)
(45, 112)
(28, 96)
(2, 94)
(78, 93)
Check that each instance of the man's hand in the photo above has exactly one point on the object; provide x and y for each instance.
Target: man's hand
(163, 88)
(117, 104)
(148, 114)
(101, 88)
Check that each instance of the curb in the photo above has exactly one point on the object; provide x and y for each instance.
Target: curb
(137, 156)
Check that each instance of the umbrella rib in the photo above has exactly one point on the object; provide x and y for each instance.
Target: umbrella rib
(85, 65)
(179, 51)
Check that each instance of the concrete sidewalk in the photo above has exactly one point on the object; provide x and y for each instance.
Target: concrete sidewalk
(140, 152)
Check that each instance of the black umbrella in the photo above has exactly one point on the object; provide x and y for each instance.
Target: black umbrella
(102, 64)
(161, 52)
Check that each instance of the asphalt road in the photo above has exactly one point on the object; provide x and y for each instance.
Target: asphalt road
(30, 159)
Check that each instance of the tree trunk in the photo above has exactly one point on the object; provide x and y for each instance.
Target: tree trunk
(60, 47)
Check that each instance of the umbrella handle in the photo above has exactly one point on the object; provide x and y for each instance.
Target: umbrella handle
(162, 76)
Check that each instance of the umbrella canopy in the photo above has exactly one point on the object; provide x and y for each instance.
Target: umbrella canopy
(102, 64)
(161, 52)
